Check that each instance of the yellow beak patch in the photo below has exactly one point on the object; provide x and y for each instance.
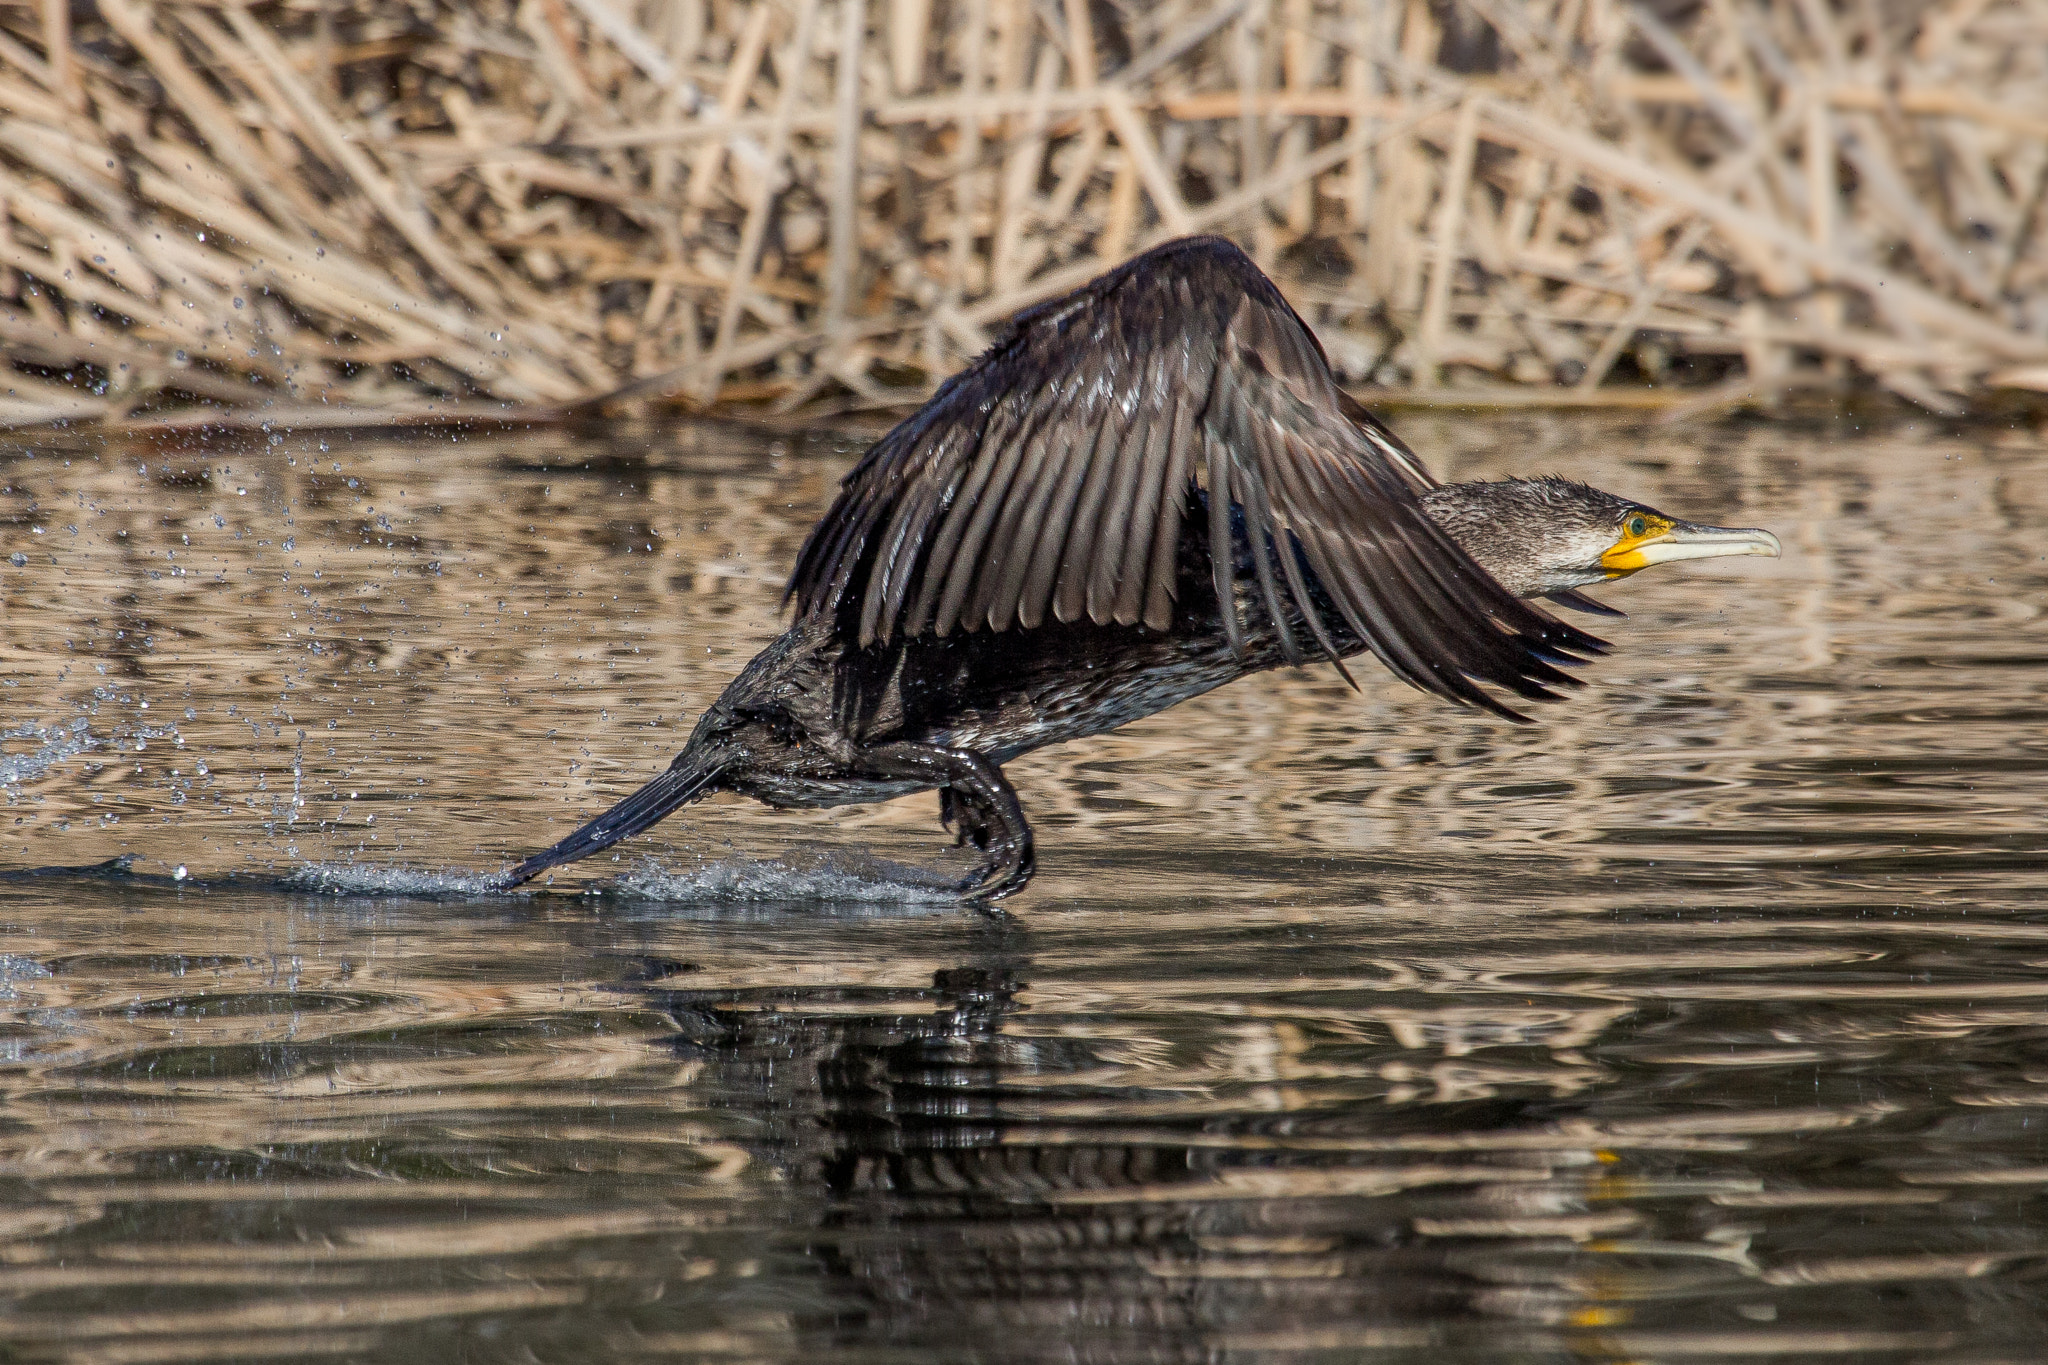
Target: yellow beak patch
(1626, 555)
(1648, 539)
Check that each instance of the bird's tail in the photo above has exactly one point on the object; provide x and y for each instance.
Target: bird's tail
(675, 788)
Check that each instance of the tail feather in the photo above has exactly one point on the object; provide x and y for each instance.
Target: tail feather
(675, 788)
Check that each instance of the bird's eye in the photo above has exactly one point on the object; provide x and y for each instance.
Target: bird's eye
(1637, 526)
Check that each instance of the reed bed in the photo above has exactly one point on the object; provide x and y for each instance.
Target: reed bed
(342, 210)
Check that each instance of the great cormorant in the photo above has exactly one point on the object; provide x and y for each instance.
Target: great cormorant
(1142, 491)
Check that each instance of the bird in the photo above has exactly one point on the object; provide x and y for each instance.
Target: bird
(1142, 490)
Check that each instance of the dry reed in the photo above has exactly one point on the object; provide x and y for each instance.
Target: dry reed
(341, 210)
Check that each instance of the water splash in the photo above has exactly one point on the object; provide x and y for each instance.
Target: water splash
(830, 877)
(827, 877)
(13, 968)
(374, 879)
(56, 743)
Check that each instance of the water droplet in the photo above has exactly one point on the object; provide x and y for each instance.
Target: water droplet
(179, 873)
(18, 559)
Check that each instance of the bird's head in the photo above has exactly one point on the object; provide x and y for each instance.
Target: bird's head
(1540, 537)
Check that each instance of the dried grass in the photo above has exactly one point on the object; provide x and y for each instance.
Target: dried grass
(377, 208)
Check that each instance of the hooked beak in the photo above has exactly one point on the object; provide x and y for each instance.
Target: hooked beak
(1683, 540)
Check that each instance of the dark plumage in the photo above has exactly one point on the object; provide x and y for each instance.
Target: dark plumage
(1142, 491)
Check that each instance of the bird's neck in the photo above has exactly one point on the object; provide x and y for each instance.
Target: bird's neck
(1492, 523)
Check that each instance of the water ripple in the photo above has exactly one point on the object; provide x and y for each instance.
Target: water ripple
(1707, 1019)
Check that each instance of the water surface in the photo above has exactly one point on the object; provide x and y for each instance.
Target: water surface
(1705, 1020)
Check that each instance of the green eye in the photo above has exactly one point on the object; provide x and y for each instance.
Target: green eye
(1637, 526)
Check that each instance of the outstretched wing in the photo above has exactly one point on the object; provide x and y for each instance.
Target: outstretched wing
(1049, 480)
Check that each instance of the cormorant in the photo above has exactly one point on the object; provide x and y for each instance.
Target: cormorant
(1141, 491)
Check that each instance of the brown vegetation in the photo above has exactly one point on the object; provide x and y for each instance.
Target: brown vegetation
(312, 209)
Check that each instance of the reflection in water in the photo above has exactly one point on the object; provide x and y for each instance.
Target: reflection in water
(1451, 1171)
(1706, 1021)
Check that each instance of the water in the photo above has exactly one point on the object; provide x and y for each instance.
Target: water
(1706, 1020)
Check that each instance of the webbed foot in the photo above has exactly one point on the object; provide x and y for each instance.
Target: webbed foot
(996, 879)
(978, 803)
(1011, 857)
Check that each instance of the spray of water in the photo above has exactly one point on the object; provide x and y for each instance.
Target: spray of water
(21, 764)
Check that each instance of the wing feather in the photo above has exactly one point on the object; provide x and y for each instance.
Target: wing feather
(1054, 535)
(1188, 380)
(1128, 502)
(1109, 512)
(1250, 478)
(1089, 538)
(995, 566)
(1222, 556)
(1040, 515)
(1146, 478)
(1165, 517)
(956, 559)
(940, 538)
(897, 562)
(1052, 478)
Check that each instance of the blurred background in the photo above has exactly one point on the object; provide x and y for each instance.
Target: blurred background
(324, 211)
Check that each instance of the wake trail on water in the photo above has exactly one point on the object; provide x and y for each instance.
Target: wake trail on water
(730, 881)
(830, 878)
(835, 878)
(389, 879)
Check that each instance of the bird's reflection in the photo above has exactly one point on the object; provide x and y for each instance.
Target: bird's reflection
(965, 1173)
(951, 1209)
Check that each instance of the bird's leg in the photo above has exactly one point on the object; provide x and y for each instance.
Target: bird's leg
(974, 792)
